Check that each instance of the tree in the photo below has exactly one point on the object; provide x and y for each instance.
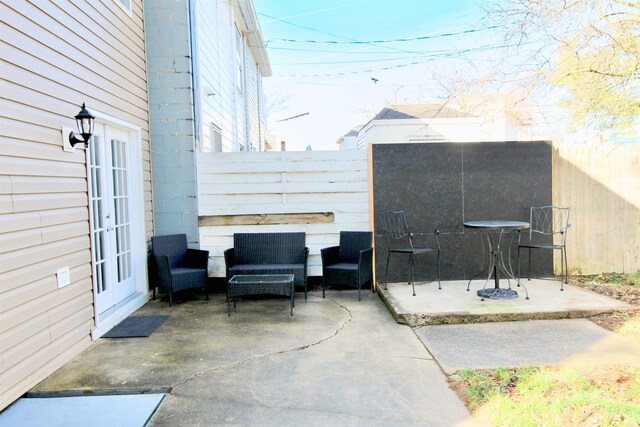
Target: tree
(590, 48)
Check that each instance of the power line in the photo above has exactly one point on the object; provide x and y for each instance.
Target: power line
(410, 39)
(351, 52)
(323, 32)
(440, 54)
(313, 12)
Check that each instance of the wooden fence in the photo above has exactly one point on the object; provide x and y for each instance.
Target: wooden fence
(322, 193)
(319, 193)
(601, 184)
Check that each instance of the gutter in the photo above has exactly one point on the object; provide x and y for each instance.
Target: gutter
(251, 29)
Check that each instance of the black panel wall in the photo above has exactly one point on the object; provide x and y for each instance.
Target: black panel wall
(442, 185)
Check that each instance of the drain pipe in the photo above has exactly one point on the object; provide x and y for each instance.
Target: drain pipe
(195, 94)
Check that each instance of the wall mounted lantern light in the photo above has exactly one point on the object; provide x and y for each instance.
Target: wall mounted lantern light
(84, 122)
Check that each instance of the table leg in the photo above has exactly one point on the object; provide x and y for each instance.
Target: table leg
(497, 259)
(293, 298)
(496, 263)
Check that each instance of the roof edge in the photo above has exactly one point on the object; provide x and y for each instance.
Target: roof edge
(250, 27)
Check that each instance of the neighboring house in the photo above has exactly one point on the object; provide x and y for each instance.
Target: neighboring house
(349, 140)
(74, 225)
(206, 61)
(436, 122)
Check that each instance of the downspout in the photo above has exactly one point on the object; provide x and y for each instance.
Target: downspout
(247, 136)
(195, 93)
(195, 85)
(258, 91)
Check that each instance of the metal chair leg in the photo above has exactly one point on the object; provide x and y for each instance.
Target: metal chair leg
(438, 268)
(412, 280)
(519, 267)
(386, 270)
(563, 259)
(529, 266)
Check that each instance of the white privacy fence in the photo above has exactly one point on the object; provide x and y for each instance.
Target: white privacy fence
(320, 193)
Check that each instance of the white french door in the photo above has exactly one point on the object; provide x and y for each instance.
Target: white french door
(112, 221)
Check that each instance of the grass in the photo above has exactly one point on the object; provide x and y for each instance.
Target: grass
(563, 396)
(555, 396)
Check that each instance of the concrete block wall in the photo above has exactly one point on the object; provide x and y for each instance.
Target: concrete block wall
(173, 142)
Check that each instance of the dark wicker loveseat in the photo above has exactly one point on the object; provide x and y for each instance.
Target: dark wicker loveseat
(269, 253)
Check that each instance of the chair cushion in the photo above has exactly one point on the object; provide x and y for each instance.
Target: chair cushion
(188, 278)
(340, 274)
(343, 266)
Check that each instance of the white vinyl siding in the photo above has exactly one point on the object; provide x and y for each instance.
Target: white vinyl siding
(252, 104)
(230, 84)
(217, 67)
(55, 56)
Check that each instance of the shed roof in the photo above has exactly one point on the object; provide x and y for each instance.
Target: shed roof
(420, 111)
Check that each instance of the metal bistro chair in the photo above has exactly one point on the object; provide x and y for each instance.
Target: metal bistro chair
(400, 241)
(548, 221)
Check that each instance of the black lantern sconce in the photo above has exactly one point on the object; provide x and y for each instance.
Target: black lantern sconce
(84, 122)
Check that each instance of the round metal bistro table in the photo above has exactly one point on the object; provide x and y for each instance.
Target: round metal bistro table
(493, 233)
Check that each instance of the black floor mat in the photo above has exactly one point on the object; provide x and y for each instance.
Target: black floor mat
(136, 327)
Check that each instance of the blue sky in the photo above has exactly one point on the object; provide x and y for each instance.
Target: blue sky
(325, 53)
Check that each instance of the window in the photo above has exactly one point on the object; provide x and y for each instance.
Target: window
(213, 142)
(239, 61)
(126, 4)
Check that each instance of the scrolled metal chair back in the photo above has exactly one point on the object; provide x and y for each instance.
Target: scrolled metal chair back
(394, 225)
(549, 220)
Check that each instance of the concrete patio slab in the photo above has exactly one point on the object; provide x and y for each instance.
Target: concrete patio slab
(337, 361)
(526, 343)
(454, 304)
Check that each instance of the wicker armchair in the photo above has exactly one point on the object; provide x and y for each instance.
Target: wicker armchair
(350, 263)
(177, 267)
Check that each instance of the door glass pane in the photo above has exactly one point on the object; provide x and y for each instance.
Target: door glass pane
(96, 165)
(121, 203)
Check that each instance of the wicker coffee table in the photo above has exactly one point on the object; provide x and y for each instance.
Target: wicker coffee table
(260, 284)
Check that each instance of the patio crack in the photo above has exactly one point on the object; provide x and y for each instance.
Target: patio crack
(275, 353)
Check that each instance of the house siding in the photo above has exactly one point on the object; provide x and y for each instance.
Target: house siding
(55, 56)
(193, 84)
(235, 112)
(216, 54)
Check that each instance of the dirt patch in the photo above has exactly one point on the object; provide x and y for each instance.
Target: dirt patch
(459, 387)
(621, 287)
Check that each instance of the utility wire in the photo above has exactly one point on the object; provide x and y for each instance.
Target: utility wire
(440, 54)
(424, 59)
(473, 30)
(325, 33)
(353, 52)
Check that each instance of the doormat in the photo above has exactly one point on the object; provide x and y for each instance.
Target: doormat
(136, 327)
